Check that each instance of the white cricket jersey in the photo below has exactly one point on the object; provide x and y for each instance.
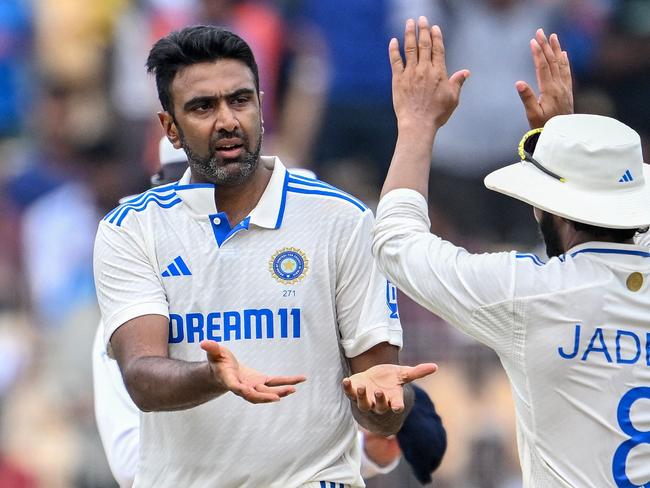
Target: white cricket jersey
(292, 289)
(117, 417)
(573, 335)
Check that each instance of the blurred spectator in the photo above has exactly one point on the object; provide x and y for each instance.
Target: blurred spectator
(623, 65)
(357, 123)
(15, 64)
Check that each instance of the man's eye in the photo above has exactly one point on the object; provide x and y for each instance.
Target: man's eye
(202, 107)
(240, 100)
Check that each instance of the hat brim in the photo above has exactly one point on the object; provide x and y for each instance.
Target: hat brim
(628, 208)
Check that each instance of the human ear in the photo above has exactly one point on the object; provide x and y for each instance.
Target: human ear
(169, 126)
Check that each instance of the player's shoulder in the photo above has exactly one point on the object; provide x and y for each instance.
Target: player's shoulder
(313, 192)
(162, 197)
(539, 275)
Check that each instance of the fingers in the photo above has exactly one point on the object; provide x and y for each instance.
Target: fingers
(411, 373)
(280, 391)
(424, 39)
(212, 348)
(382, 405)
(396, 62)
(458, 79)
(284, 380)
(358, 395)
(529, 99)
(549, 55)
(253, 396)
(542, 69)
(410, 44)
(438, 47)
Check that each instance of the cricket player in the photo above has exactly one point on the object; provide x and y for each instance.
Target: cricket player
(422, 438)
(573, 332)
(241, 267)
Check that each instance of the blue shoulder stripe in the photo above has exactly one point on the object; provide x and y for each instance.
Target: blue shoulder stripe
(141, 197)
(141, 204)
(631, 252)
(532, 257)
(321, 188)
(139, 209)
(329, 193)
(303, 180)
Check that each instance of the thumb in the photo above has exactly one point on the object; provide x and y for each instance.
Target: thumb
(529, 99)
(212, 348)
(411, 373)
(458, 79)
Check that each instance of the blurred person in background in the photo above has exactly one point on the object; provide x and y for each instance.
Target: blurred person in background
(352, 122)
(16, 43)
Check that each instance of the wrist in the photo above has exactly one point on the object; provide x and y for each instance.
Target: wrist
(409, 124)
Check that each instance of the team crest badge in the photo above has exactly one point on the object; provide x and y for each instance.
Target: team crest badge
(289, 265)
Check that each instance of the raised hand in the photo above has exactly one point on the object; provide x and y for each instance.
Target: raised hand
(422, 91)
(380, 389)
(553, 81)
(251, 385)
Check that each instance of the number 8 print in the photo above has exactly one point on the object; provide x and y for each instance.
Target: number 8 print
(637, 437)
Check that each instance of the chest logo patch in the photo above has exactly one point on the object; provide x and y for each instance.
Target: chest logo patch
(289, 265)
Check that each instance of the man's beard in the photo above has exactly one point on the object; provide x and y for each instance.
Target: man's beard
(214, 168)
(550, 235)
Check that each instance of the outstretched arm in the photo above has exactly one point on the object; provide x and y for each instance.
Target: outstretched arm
(554, 82)
(157, 382)
(424, 97)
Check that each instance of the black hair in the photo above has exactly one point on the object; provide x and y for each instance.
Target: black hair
(191, 45)
(606, 234)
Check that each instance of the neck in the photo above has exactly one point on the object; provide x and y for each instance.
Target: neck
(237, 201)
(576, 238)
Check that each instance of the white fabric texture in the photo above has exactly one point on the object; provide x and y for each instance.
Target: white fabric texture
(293, 289)
(572, 334)
(117, 417)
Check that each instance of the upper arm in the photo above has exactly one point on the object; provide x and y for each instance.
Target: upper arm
(127, 281)
(143, 336)
(444, 278)
(382, 353)
(366, 309)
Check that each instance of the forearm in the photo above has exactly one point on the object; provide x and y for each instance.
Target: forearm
(388, 423)
(411, 162)
(164, 384)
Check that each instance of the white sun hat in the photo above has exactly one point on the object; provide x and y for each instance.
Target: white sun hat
(586, 168)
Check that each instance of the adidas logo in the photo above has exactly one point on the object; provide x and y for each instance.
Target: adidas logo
(177, 268)
(626, 178)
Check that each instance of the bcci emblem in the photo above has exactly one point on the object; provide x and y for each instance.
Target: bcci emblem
(289, 265)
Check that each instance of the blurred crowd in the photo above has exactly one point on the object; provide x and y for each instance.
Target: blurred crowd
(78, 131)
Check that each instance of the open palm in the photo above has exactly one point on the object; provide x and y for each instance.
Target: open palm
(248, 383)
(379, 389)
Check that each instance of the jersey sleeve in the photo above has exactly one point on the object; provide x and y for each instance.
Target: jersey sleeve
(117, 417)
(446, 279)
(126, 281)
(366, 303)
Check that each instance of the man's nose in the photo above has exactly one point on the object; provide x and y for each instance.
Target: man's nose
(226, 119)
